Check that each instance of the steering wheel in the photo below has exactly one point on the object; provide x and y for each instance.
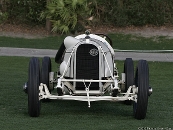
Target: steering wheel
(105, 36)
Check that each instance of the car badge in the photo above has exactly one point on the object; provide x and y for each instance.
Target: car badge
(93, 52)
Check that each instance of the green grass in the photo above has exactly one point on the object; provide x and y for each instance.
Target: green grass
(41, 43)
(120, 41)
(70, 115)
(132, 42)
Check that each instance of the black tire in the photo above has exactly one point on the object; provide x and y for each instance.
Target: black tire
(129, 76)
(33, 88)
(46, 68)
(142, 82)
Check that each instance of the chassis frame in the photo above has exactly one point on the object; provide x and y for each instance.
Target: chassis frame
(131, 94)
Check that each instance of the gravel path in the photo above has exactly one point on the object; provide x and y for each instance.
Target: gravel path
(163, 57)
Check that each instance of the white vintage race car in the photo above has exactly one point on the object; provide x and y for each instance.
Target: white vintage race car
(88, 73)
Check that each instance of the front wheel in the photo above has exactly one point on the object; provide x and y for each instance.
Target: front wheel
(142, 83)
(33, 88)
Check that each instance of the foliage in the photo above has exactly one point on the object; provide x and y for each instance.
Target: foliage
(71, 15)
(134, 12)
(26, 10)
(66, 14)
(3, 17)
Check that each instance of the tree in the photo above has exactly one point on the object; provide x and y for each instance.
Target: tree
(65, 15)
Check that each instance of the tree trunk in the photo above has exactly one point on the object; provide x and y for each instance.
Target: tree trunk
(48, 25)
(48, 22)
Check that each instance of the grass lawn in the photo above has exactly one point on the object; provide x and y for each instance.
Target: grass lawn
(41, 43)
(120, 41)
(75, 115)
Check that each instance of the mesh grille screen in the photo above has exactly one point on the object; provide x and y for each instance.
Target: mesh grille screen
(87, 65)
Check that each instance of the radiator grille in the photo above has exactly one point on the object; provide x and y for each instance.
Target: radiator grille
(87, 65)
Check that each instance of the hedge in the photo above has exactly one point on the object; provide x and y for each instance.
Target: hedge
(134, 12)
(109, 12)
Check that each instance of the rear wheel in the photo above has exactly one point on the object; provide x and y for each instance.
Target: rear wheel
(46, 68)
(33, 88)
(129, 76)
(142, 83)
